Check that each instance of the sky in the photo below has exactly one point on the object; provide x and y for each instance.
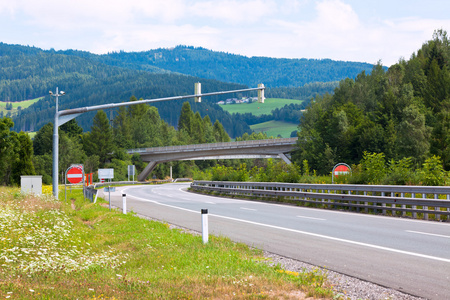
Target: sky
(348, 30)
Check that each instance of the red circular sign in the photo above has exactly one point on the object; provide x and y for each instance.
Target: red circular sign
(341, 170)
(75, 175)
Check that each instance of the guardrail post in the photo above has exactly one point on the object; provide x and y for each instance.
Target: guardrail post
(448, 208)
(124, 204)
(205, 226)
(414, 207)
(383, 194)
(365, 203)
(393, 212)
(109, 190)
(425, 215)
(436, 216)
(403, 206)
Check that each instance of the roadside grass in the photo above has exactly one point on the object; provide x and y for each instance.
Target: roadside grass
(259, 108)
(275, 128)
(51, 249)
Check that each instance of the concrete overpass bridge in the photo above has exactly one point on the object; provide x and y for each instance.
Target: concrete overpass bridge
(275, 148)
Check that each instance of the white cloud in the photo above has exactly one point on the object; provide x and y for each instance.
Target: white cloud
(234, 11)
(334, 15)
(336, 29)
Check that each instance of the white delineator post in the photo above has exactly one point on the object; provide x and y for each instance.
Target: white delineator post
(205, 226)
(124, 206)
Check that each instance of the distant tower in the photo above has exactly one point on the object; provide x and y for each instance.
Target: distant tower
(198, 91)
(261, 93)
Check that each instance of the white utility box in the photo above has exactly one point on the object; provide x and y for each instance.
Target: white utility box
(31, 184)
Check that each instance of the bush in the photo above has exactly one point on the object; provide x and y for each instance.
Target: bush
(433, 172)
(400, 172)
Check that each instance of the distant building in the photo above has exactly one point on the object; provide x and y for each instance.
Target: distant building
(221, 102)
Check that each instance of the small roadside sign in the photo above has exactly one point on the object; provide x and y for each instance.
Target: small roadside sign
(75, 174)
(105, 173)
(341, 170)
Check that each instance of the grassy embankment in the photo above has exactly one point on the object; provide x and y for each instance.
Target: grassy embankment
(55, 250)
(272, 128)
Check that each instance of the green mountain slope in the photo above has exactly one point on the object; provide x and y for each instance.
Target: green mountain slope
(90, 79)
(200, 62)
(28, 73)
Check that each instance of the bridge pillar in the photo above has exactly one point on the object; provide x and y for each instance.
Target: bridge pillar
(285, 158)
(148, 169)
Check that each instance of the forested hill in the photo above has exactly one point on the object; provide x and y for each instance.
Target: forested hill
(402, 115)
(200, 62)
(89, 79)
(28, 72)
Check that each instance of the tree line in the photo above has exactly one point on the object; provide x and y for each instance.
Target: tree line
(89, 79)
(403, 112)
(28, 72)
(106, 144)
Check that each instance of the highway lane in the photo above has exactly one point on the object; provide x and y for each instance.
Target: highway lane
(408, 255)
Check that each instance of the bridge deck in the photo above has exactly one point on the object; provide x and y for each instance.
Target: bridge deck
(243, 149)
(215, 146)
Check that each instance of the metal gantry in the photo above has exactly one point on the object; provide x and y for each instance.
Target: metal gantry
(64, 116)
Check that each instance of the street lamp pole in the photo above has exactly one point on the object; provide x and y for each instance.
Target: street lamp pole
(55, 144)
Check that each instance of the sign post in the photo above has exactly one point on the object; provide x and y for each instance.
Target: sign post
(131, 171)
(205, 233)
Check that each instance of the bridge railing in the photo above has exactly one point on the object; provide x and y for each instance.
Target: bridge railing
(418, 202)
(210, 146)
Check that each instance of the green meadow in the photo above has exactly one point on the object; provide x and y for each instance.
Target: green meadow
(15, 105)
(259, 108)
(51, 249)
(275, 128)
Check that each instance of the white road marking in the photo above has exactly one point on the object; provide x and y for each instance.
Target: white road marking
(319, 219)
(245, 208)
(209, 202)
(432, 234)
(309, 233)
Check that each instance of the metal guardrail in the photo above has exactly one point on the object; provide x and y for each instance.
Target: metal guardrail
(105, 184)
(89, 192)
(212, 146)
(418, 202)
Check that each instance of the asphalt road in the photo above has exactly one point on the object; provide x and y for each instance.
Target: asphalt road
(411, 256)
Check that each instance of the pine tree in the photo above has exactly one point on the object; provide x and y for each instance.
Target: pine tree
(100, 140)
(208, 130)
(22, 164)
(198, 132)
(43, 140)
(220, 133)
(186, 116)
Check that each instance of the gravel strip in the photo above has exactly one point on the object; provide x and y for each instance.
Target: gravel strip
(349, 287)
